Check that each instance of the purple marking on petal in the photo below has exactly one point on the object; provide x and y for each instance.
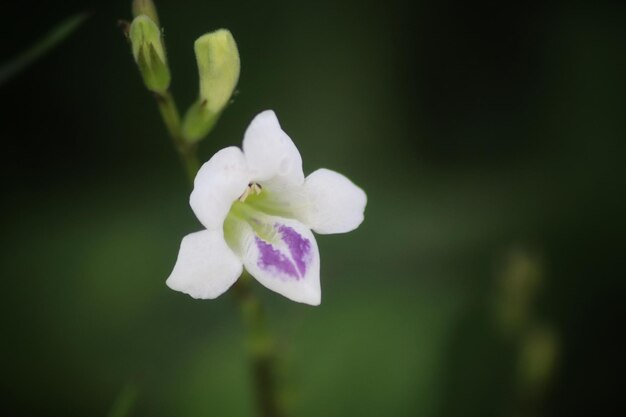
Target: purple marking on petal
(300, 247)
(272, 260)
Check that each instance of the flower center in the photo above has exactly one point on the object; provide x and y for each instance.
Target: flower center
(257, 201)
(252, 189)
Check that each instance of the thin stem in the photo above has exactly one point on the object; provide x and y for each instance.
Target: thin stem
(260, 344)
(261, 349)
(171, 118)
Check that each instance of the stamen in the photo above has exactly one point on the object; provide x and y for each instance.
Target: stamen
(253, 188)
(256, 188)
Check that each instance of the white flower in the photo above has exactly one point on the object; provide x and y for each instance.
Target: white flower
(259, 210)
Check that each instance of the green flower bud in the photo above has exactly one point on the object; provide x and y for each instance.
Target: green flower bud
(149, 53)
(145, 7)
(218, 67)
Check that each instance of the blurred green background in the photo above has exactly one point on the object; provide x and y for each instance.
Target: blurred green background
(486, 279)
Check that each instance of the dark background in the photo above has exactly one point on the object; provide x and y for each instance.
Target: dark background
(486, 280)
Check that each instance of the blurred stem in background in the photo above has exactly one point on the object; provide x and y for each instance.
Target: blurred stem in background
(218, 66)
(537, 344)
(261, 349)
(58, 34)
(123, 404)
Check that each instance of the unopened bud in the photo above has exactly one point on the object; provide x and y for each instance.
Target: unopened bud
(218, 66)
(149, 53)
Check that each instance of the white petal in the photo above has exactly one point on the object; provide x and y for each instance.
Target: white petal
(206, 267)
(280, 253)
(273, 159)
(219, 182)
(332, 203)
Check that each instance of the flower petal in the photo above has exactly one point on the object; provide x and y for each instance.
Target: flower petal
(273, 159)
(206, 267)
(280, 253)
(332, 203)
(219, 182)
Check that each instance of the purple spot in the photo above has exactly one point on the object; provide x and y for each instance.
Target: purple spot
(299, 247)
(272, 260)
(278, 261)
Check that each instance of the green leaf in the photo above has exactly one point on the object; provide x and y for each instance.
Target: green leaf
(58, 34)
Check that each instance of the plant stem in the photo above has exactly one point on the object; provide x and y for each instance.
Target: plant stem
(259, 341)
(171, 118)
(261, 350)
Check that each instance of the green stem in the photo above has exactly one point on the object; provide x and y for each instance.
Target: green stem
(261, 350)
(171, 118)
(260, 344)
